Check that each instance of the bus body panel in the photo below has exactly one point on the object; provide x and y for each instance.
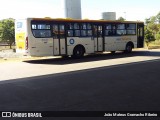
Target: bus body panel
(100, 44)
(95, 44)
(44, 47)
(63, 47)
(59, 47)
(86, 42)
(119, 43)
(56, 48)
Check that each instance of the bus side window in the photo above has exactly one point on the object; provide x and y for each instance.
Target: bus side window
(83, 33)
(108, 31)
(131, 29)
(86, 30)
(34, 26)
(70, 28)
(76, 26)
(83, 29)
(121, 29)
(55, 31)
(77, 33)
(114, 30)
(41, 30)
(70, 33)
(89, 27)
(99, 31)
(95, 31)
(62, 31)
(89, 33)
(83, 26)
(36, 33)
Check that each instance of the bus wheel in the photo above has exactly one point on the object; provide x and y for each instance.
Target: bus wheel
(129, 48)
(78, 52)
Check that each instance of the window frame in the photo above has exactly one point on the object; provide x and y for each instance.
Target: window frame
(36, 30)
(116, 30)
(131, 29)
(83, 30)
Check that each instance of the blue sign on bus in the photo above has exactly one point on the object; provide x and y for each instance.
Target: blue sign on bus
(71, 41)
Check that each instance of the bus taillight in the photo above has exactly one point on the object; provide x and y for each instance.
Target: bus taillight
(26, 43)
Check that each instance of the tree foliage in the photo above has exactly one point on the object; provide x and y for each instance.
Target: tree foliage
(0, 30)
(148, 35)
(7, 31)
(152, 30)
(158, 17)
(121, 19)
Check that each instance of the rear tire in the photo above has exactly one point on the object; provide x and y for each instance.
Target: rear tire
(78, 52)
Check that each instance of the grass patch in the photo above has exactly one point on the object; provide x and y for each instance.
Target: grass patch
(154, 44)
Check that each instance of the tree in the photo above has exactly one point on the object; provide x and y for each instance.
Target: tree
(158, 17)
(148, 35)
(153, 19)
(147, 21)
(158, 36)
(158, 33)
(152, 28)
(0, 30)
(7, 31)
(121, 19)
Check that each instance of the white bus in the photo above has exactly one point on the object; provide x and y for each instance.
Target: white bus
(67, 37)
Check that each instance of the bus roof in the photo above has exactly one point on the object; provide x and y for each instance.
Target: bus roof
(82, 20)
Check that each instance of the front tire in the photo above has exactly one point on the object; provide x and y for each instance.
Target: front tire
(129, 48)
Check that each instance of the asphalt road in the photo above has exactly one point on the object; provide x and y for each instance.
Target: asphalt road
(128, 87)
(121, 87)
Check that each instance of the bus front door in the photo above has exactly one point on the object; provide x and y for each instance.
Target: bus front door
(140, 35)
(98, 38)
(59, 39)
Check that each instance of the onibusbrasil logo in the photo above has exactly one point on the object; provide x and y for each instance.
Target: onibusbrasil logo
(20, 115)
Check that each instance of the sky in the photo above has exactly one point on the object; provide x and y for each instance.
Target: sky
(91, 9)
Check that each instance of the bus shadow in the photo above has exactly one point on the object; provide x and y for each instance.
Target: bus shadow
(93, 58)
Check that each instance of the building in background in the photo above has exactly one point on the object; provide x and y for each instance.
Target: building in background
(109, 15)
(73, 9)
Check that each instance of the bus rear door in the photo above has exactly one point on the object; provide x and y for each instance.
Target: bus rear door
(98, 38)
(59, 39)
